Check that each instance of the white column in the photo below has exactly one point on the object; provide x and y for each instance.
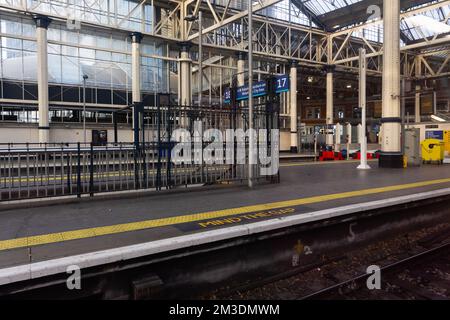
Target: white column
(362, 104)
(184, 74)
(252, 143)
(136, 39)
(360, 132)
(42, 23)
(293, 108)
(241, 56)
(418, 95)
(339, 129)
(349, 133)
(330, 103)
(391, 155)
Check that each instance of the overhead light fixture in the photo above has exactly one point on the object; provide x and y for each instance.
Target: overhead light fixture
(308, 98)
(436, 118)
(349, 86)
(310, 79)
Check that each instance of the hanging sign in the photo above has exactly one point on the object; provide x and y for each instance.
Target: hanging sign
(259, 89)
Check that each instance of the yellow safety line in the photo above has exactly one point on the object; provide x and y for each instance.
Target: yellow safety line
(74, 176)
(175, 220)
(58, 177)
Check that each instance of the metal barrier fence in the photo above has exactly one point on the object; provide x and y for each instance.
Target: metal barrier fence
(48, 170)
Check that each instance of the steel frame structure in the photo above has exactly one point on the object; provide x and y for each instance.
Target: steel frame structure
(226, 31)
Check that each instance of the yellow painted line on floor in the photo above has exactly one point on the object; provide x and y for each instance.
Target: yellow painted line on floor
(98, 175)
(175, 220)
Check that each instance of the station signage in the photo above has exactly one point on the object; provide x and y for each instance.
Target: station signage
(439, 135)
(259, 89)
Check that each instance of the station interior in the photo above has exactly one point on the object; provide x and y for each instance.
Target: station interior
(102, 103)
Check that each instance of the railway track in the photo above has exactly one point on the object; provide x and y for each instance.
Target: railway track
(417, 269)
(409, 278)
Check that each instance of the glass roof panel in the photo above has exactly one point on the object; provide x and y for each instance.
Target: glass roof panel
(319, 7)
(426, 24)
(288, 12)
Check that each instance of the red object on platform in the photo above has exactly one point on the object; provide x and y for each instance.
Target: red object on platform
(338, 156)
(370, 156)
(327, 156)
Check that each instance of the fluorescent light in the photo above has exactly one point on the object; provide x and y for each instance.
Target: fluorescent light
(436, 118)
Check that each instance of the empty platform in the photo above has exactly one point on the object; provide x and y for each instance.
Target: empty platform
(308, 192)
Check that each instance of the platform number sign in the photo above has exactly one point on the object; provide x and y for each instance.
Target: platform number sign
(282, 84)
(259, 89)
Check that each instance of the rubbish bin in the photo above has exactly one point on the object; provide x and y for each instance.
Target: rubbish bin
(433, 151)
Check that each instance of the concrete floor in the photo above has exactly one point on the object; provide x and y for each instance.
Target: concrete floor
(298, 181)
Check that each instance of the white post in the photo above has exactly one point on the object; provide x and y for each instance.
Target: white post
(85, 77)
(136, 39)
(349, 139)
(417, 116)
(362, 105)
(293, 108)
(338, 137)
(360, 133)
(42, 23)
(184, 74)
(200, 58)
(330, 105)
(391, 151)
(241, 56)
(252, 142)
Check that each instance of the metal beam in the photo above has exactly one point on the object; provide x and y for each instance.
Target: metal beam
(299, 4)
(358, 12)
(262, 4)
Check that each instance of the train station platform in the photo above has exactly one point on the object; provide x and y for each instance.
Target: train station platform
(44, 239)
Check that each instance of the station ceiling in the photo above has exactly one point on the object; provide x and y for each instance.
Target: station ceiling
(332, 15)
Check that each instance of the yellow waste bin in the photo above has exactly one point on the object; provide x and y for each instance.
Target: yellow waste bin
(447, 141)
(433, 151)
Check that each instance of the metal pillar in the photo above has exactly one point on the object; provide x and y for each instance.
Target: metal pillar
(362, 105)
(136, 38)
(391, 155)
(252, 142)
(184, 75)
(241, 56)
(330, 104)
(339, 130)
(350, 132)
(200, 58)
(240, 77)
(42, 23)
(85, 77)
(418, 117)
(293, 108)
